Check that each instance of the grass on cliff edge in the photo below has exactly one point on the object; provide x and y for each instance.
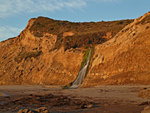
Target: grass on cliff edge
(85, 58)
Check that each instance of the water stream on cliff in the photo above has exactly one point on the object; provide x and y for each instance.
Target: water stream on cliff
(82, 73)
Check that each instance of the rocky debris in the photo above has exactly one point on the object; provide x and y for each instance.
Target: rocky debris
(146, 109)
(38, 110)
(26, 111)
(48, 100)
(42, 110)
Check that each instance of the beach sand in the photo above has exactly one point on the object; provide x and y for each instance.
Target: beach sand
(101, 99)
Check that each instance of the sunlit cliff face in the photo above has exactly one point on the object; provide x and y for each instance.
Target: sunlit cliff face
(54, 56)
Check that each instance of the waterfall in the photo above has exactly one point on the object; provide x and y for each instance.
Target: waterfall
(82, 73)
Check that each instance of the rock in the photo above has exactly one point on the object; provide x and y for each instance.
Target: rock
(86, 106)
(89, 106)
(42, 110)
(20, 111)
(146, 109)
(25, 111)
(38, 110)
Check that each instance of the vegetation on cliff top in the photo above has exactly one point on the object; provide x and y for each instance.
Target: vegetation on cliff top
(85, 34)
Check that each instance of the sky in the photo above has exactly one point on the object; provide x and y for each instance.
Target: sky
(14, 14)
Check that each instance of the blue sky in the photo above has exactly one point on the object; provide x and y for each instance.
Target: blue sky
(14, 14)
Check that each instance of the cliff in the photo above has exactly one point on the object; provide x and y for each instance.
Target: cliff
(49, 51)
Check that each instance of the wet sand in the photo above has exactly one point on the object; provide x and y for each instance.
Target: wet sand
(104, 99)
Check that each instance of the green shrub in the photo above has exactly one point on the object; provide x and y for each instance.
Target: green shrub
(85, 58)
(86, 33)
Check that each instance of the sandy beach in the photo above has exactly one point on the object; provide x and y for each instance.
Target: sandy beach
(101, 99)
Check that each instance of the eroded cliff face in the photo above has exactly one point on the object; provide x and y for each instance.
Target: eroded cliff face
(28, 59)
(125, 59)
(51, 52)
